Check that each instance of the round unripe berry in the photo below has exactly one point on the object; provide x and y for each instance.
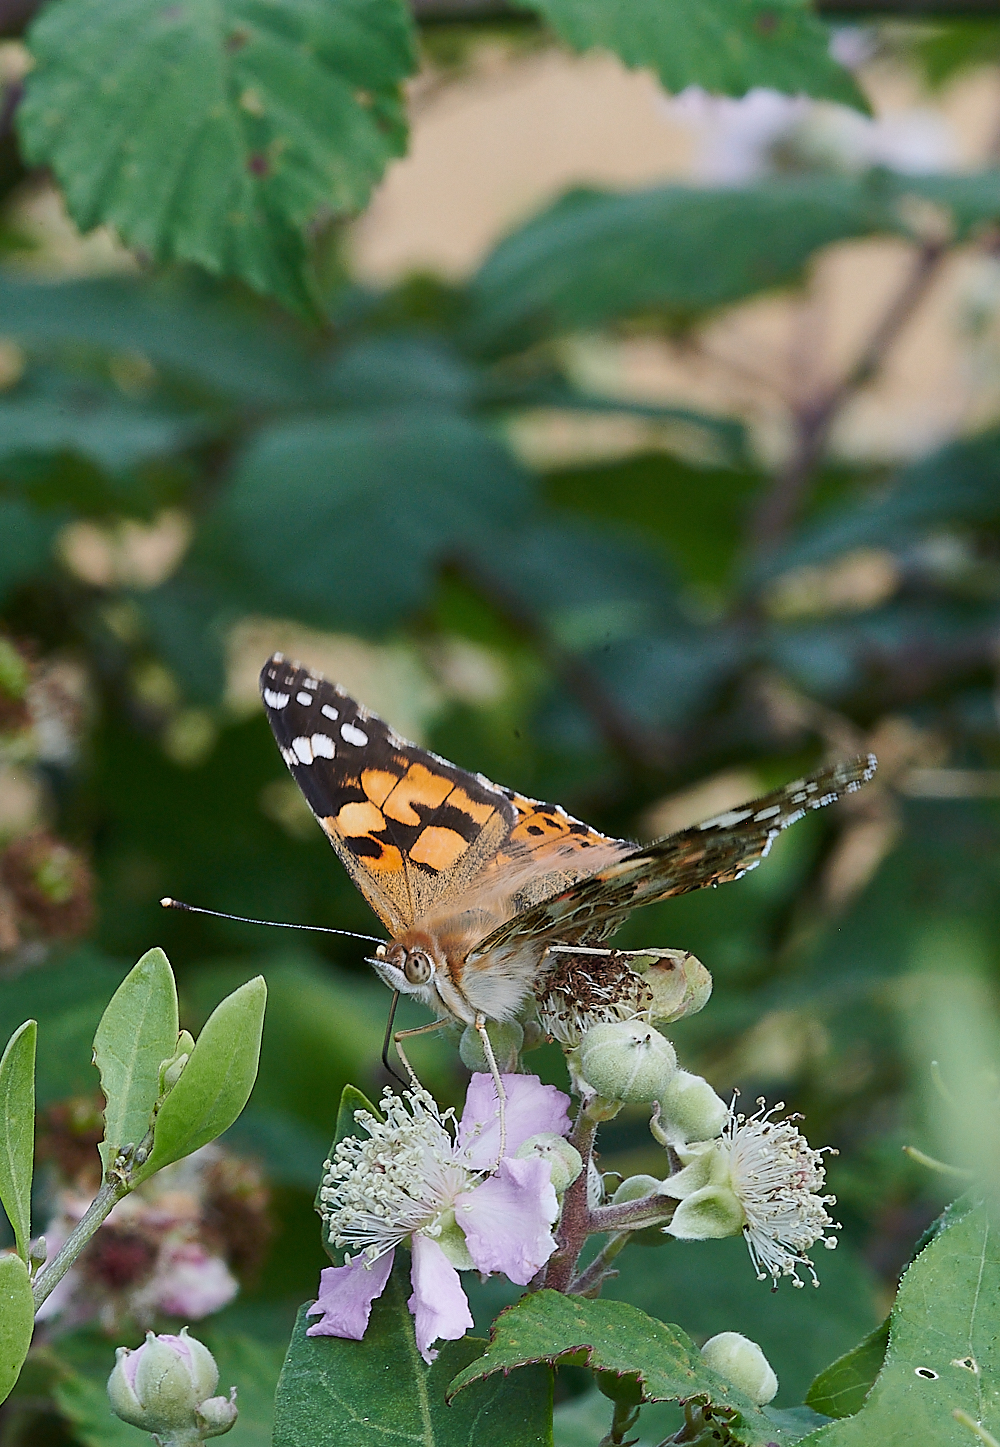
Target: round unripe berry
(741, 1362)
(627, 1060)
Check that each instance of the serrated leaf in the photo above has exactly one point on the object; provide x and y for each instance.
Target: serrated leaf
(313, 500)
(217, 131)
(215, 1084)
(841, 1388)
(138, 1031)
(729, 46)
(17, 1130)
(355, 1393)
(613, 1337)
(17, 1320)
(944, 1348)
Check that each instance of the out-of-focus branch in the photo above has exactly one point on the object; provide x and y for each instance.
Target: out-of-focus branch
(815, 417)
(480, 10)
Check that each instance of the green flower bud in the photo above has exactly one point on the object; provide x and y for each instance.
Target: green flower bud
(161, 1387)
(741, 1362)
(565, 1161)
(627, 1060)
(172, 1067)
(690, 1110)
(679, 983)
(506, 1037)
(217, 1414)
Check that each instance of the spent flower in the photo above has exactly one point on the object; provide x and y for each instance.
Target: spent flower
(441, 1185)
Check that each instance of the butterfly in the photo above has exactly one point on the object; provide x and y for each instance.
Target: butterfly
(477, 885)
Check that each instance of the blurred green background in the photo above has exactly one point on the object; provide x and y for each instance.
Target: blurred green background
(643, 495)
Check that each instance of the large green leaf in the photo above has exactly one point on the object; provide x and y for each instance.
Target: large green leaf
(593, 257)
(17, 1319)
(626, 1347)
(217, 131)
(723, 45)
(944, 1348)
(25, 542)
(313, 502)
(17, 1130)
(355, 1393)
(841, 1388)
(216, 1083)
(138, 1031)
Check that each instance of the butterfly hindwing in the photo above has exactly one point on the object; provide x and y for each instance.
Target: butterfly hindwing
(409, 828)
(719, 850)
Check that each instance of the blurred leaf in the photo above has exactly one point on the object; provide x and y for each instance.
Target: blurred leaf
(313, 502)
(17, 1130)
(593, 258)
(730, 46)
(215, 1084)
(186, 620)
(331, 1390)
(626, 1344)
(67, 996)
(138, 1031)
(388, 371)
(54, 413)
(946, 48)
(841, 1388)
(187, 330)
(955, 483)
(25, 542)
(943, 1348)
(583, 1421)
(217, 133)
(17, 1320)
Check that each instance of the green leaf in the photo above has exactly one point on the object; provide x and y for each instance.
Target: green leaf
(351, 1100)
(613, 1337)
(215, 1084)
(841, 1388)
(17, 1130)
(723, 45)
(138, 1031)
(314, 500)
(944, 1349)
(355, 1393)
(217, 131)
(25, 542)
(17, 1320)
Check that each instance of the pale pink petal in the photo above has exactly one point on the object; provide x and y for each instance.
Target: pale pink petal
(506, 1219)
(439, 1305)
(531, 1108)
(345, 1297)
(190, 1282)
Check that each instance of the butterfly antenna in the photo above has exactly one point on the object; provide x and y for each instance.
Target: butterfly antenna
(321, 929)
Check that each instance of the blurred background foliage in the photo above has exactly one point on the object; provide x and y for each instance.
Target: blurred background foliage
(662, 478)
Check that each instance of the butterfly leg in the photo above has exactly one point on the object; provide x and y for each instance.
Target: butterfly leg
(401, 1035)
(497, 1081)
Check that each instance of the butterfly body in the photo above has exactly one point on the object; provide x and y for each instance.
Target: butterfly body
(476, 883)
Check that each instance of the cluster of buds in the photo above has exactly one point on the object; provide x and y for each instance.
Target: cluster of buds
(174, 1247)
(165, 1388)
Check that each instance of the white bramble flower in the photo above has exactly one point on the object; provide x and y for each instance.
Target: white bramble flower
(760, 1177)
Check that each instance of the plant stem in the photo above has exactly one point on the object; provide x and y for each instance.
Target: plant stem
(590, 1279)
(624, 1416)
(574, 1224)
(96, 1213)
(633, 1215)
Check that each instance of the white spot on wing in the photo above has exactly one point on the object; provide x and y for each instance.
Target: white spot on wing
(329, 712)
(723, 821)
(767, 813)
(312, 683)
(352, 735)
(275, 700)
(323, 746)
(303, 698)
(303, 750)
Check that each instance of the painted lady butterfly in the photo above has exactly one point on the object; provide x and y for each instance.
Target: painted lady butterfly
(475, 883)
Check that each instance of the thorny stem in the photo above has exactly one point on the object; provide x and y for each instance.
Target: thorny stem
(574, 1224)
(107, 1198)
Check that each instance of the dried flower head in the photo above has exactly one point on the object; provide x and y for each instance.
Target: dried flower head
(582, 991)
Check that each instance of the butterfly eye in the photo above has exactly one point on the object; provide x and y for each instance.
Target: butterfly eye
(418, 968)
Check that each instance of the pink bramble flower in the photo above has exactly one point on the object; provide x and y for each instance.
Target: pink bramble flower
(423, 1178)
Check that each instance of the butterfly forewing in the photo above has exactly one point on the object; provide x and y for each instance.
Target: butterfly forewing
(720, 849)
